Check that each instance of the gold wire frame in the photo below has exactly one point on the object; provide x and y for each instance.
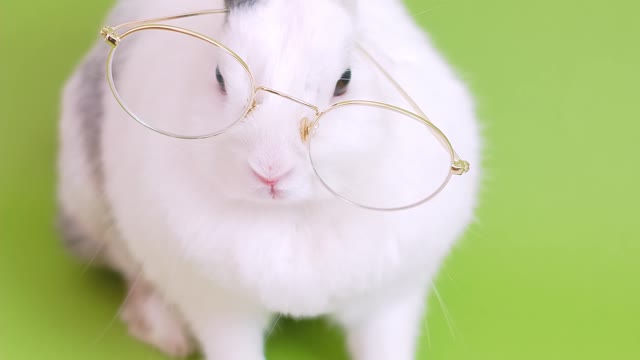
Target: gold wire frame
(109, 34)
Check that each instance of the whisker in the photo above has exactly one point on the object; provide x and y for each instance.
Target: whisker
(428, 333)
(130, 291)
(445, 311)
(110, 231)
(273, 327)
(93, 258)
(431, 9)
(446, 272)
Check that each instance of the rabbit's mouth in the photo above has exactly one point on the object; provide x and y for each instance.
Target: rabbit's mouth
(272, 182)
(281, 187)
(275, 193)
(280, 194)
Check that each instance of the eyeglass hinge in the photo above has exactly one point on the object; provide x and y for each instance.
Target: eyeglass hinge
(109, 35)
(460, 167)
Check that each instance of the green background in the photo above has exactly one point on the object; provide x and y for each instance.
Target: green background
(549, 272)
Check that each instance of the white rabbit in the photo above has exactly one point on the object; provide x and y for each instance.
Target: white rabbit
(209, 253)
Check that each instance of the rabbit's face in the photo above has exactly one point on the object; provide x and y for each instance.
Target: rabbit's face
(303, 49)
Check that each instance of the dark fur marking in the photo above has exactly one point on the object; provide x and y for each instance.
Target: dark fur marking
(74, 239)
(90, 108)
(230, 4)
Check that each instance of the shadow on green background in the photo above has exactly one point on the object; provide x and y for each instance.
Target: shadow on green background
(550, 271)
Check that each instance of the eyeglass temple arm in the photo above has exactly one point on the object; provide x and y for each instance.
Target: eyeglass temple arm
(108, 32)
(458, 166)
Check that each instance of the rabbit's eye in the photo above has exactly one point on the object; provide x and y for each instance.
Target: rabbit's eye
(343, 83)
(220, 79)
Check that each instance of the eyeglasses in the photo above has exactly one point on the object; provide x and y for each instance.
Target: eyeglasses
(393, 159)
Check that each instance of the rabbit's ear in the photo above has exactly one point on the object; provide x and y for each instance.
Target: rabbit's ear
(230, 4)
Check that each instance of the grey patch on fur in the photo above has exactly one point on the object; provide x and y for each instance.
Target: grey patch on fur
(75, 240)
(230, 4)
(90, 108)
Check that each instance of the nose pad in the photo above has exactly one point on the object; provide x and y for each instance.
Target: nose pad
(305, 128)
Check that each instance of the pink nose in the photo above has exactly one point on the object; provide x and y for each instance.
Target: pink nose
(270, 179)
(267, 180)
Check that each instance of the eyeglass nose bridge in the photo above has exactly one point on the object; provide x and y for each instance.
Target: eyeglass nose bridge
(289, 97)
(305, 124)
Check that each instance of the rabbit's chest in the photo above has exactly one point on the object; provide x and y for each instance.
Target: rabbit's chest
(307, 270)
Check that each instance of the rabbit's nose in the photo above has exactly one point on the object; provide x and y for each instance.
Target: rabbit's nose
(271, 180)
(269, 176)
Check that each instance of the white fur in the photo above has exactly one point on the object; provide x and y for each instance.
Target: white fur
(209, 237)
